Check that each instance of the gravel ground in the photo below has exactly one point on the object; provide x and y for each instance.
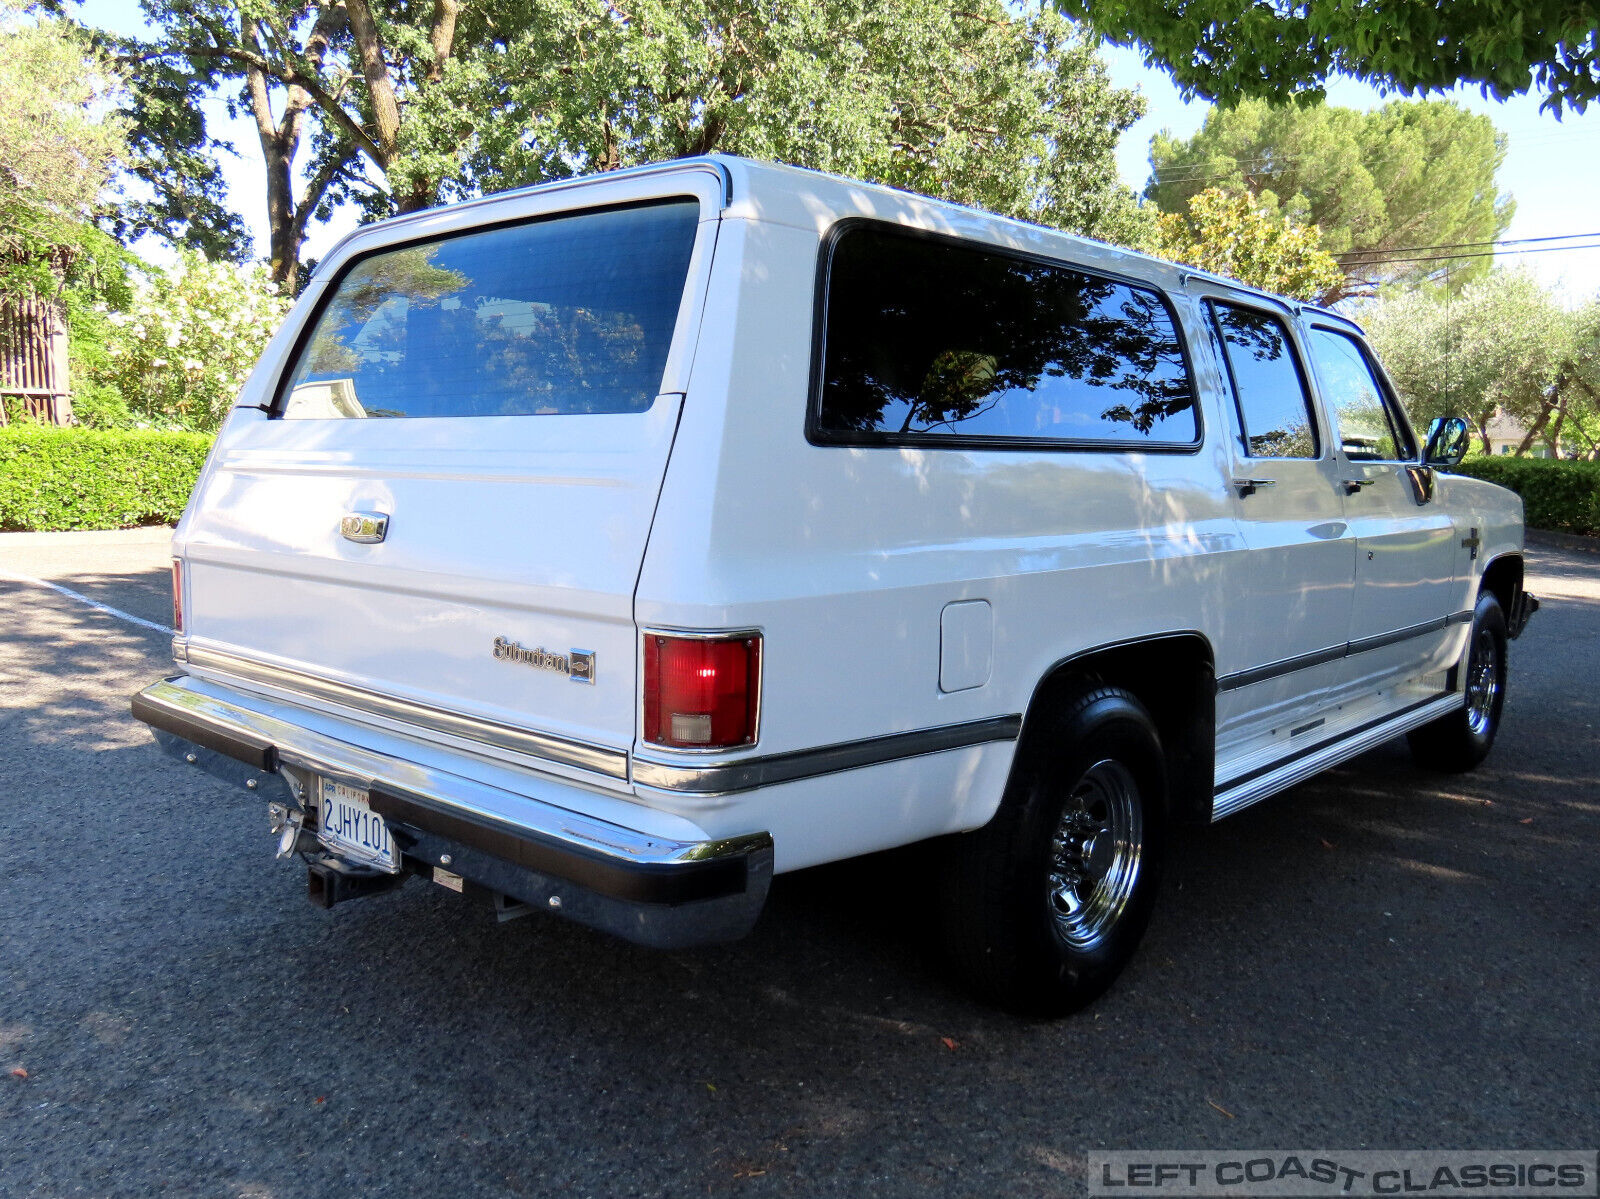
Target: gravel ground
(1381, 958)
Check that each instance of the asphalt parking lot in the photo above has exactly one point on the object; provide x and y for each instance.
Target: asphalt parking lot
(1379, 959)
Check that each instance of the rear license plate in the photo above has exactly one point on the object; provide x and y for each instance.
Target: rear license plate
(346, 825)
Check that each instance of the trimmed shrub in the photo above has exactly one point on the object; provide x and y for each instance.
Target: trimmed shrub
(1556, 494)
(95, 478)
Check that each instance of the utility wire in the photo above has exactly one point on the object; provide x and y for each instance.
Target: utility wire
(1465, 245)
(1477, 254)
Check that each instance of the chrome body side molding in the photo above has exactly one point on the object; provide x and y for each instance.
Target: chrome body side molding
(1272, 670)
(686, 774)
(747, 774)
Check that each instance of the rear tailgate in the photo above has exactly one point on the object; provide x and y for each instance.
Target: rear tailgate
(509, 416)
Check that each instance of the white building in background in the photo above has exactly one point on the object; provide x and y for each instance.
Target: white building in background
(1506, 434)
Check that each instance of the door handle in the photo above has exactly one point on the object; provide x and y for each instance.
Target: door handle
(1251, 486)
(364, 528)
(1351, 486)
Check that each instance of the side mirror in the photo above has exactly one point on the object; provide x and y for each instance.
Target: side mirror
(1448, 440)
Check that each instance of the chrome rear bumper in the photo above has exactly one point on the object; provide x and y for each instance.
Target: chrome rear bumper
(646, 888)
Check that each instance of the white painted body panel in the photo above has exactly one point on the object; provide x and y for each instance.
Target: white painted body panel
(713, 511)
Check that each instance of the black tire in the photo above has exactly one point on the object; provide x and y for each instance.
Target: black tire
(1008, 889)
(1459, 741)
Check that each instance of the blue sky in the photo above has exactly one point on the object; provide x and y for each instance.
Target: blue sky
(1552, 167)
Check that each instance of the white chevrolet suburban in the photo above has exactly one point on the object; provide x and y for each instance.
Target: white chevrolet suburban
(609, 546)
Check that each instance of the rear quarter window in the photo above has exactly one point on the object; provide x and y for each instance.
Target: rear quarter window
(935, 342)
(570, 314)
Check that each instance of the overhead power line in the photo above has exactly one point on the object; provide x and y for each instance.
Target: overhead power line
(1475, 254)
(1465, 245)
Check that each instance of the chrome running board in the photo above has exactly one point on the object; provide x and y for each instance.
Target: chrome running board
(1268, 781)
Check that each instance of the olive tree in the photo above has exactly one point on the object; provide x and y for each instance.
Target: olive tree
(1500, 346)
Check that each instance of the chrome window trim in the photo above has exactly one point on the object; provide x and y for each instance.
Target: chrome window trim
(564, 751)
(748, 774)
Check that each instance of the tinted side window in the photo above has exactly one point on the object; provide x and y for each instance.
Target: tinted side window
(1268, 388)
(1366, 427)
(573, 314)
(928, 340)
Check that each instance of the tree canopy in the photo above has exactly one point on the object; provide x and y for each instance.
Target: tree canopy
(400, 106)
(1378, 184)
(1225, 50)
(60, 140)
(1502, 345)
(1229, 234)
(1014, 113)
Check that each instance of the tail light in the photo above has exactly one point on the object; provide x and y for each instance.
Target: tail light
(177, 596)
(701, 692)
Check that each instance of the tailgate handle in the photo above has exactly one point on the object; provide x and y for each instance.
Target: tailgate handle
(367, 528)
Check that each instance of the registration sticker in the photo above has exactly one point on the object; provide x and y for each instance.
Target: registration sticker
(349, 827)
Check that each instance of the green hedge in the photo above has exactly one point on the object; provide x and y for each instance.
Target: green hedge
(1556, 494)
(95, 478)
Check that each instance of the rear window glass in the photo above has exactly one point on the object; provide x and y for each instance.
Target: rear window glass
(929, 341)
(569, 315)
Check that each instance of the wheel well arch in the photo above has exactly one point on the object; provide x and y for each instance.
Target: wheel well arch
(1174, 676)
(1503, 576)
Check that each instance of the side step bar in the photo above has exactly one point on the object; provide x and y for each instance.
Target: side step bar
(1258, 785)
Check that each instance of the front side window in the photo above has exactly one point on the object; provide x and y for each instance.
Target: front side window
(572, 314)
(929, 341)
(1367, 427)
(1269, 390)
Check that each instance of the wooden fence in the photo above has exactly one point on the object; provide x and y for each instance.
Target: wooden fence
(33, 359)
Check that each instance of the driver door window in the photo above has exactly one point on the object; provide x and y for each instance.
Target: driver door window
(1368, 428)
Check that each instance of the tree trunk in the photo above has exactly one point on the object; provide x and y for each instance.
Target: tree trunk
(1555, 431)
(280, 142)
(1533, 432)
(380, 88)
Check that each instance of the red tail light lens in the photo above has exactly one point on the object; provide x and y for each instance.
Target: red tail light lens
(701, 692)
(177, 596)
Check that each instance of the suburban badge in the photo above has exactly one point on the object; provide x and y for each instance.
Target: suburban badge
(576, 664)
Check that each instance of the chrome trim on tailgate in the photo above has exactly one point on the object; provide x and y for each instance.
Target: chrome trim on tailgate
(613, 763)
(171, 706)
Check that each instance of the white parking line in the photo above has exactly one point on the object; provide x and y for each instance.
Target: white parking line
(84, 599)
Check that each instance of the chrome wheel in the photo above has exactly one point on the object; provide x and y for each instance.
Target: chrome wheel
(1483, 682)
(1094, 854)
